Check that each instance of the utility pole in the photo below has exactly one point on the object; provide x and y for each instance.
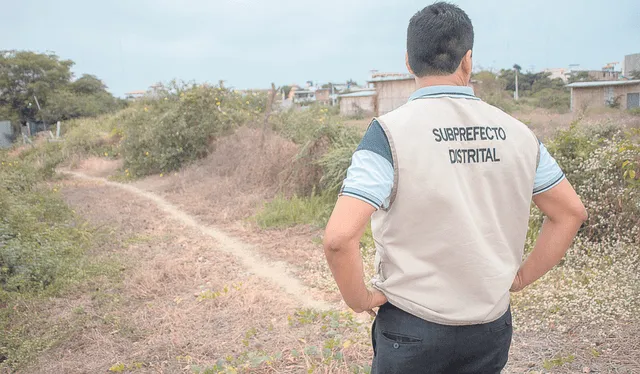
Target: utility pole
(333, 93)
(515, 94)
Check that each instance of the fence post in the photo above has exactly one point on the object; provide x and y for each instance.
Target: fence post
(269, 108)
(58, 130)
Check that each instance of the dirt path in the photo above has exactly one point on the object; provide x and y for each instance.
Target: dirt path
(167, 294)
(192, 295)
(276, 272)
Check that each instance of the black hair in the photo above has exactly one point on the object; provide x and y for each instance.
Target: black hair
(438, 37)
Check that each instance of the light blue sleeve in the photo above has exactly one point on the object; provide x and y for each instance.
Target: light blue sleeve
(369, 178)
(548, 174)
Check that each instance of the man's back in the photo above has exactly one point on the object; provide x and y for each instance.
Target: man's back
(451, 240)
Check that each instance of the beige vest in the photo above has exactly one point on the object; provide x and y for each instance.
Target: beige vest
(451, 241)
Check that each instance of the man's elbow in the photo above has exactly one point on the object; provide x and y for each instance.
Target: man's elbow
(576, 215)
(334, 242)
(579, 213)
(583, 216)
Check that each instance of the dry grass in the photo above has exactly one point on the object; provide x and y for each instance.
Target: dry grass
(233, 181)
(178, 303)
(98, 167)
(546, 123)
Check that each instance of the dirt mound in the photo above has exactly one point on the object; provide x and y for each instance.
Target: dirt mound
(234, 180)
(98, 167)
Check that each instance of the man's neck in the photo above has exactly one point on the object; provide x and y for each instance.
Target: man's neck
(440, 80)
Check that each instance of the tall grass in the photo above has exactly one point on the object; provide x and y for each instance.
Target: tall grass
(326, 146)
(284, 212)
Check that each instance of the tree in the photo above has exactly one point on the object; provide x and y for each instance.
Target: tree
(25, 74)
(286, 90)
(517, 67)
(352, 83)
(88, 84)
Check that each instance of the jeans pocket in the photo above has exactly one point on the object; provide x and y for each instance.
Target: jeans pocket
(501, 327)
(400, 338)
(503, 323)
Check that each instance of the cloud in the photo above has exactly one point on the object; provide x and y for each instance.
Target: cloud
(191, 46)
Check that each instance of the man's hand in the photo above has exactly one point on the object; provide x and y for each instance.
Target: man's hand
(517, 286)
(375, 300)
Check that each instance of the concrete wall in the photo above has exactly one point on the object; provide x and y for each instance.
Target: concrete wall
(596, 97)
(598, 75)
(393, 94)
(353, 106)
(323, 96)
(6, 133)
(631, 63)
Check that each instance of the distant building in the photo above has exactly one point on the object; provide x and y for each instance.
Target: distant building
(323, 96)
(606, 93)
(597, 75)
(603, 75)
(631, 64)
(134, 95)
(359, 103)
(558, 73)
(392, 90)
(304, 97)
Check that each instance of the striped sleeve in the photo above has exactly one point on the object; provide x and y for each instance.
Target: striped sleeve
(548, 174)
(370, 176)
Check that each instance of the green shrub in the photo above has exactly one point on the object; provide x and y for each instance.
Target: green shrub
(165, 133)
(95, 136)
(326, 146)
(551, 98)
(39, 241)
(602, 162)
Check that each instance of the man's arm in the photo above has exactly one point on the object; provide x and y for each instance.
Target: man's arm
(564, 215)
(342, 249)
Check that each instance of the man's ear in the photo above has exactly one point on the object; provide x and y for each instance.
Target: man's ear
(406, 61)
(467, 63)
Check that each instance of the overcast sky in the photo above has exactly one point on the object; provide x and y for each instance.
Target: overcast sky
(131, 44)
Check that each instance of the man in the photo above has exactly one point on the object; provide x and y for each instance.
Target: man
(447, 181)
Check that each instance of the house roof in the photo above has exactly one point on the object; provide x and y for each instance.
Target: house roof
(359, 94)
(601, 83)
(136, 92)
(386, 77)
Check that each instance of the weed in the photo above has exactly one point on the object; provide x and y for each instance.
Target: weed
(558, 361)
(212, 295)
(121, 367)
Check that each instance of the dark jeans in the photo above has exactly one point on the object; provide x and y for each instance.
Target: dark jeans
(406, 344)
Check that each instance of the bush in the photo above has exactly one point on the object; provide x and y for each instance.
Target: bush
(165, 133)
(550, 98)
(326, 147)
(39, 241)
(602, 163)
